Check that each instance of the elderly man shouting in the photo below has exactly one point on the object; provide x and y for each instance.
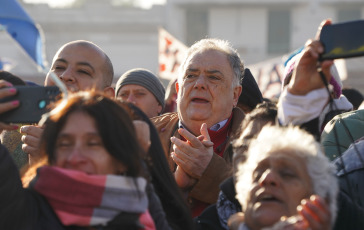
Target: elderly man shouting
(195, 139)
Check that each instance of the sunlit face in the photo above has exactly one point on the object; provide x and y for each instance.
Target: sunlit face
(142, 98)
(80, 67)
(205, 94)
(280, 182)
(80, 147)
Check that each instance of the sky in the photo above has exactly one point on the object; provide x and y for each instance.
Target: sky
(146, 4)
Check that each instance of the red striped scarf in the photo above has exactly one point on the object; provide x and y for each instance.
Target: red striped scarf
(81, 199)
(220, 137)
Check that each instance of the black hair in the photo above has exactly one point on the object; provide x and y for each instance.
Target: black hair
(176, 209)
(114, 124)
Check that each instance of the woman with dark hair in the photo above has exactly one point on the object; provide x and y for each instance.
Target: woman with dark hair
(93, 178)
(176, 210)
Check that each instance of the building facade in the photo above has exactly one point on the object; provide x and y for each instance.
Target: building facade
(259, 29)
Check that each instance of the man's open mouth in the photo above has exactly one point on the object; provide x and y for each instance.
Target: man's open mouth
(199, 100)
(265, 197)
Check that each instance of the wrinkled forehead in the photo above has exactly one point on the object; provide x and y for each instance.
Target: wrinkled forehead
(286, 156)
(207, 60)
(206, 53)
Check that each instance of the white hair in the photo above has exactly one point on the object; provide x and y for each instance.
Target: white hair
(220, 45)
(273, 139)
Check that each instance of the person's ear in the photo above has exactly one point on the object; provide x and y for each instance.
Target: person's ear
(159, 109)
(236, 94)
(109, 92)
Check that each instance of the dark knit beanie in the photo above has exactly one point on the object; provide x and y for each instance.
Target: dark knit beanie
(250, 95)
(145, 78)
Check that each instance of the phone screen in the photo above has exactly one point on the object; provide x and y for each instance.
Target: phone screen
(343, 40)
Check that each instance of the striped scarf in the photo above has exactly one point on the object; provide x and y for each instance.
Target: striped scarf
(89, 200)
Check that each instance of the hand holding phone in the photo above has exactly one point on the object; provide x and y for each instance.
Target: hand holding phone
(343, 40)
(33, 103)
(6, 90)
(31, 139)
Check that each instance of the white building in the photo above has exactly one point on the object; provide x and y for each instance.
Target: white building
(263, 29)
(259, 29)
(128, 35)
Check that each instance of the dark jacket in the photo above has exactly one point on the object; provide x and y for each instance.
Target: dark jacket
(216, 215)
(349, 216)
(350, 171)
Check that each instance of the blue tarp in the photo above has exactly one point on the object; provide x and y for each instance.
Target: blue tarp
(22, 28)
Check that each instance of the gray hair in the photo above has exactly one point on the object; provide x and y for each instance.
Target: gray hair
(219, 45)
(303, 145)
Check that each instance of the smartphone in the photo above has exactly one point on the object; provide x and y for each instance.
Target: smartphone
(34, 102)
(343, 40)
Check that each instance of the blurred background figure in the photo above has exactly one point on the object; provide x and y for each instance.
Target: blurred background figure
(142, 88)
(171, 97)
(250, 95)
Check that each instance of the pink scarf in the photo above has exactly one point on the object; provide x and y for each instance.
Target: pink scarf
(89, 200)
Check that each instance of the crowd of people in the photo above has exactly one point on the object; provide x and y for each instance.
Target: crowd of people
(208, 152)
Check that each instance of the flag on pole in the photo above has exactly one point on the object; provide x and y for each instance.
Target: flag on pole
(15, 20)
(171, 55)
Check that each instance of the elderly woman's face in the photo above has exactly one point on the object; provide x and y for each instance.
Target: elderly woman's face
(80, 147)
(280, 182)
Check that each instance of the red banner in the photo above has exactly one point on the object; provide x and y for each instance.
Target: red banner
(171, 55)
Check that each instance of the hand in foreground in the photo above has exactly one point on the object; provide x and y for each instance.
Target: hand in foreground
(183, 180)
(31, 140)
(194, 154)
(306, 76)
(235, 220)
(313, 214)
(6, 90)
